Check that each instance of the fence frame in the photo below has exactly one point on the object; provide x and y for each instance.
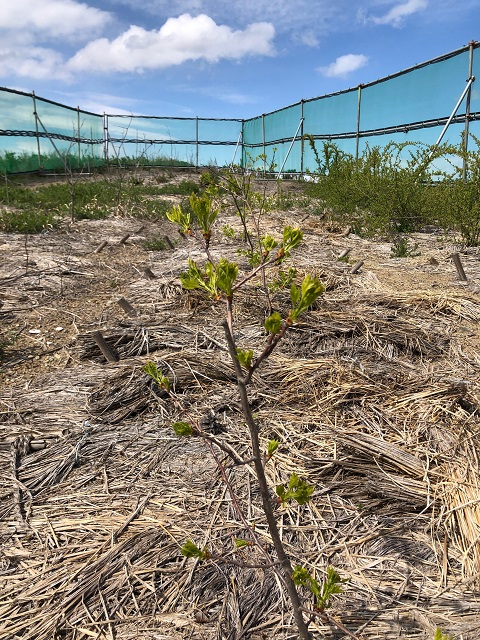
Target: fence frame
(108, 141)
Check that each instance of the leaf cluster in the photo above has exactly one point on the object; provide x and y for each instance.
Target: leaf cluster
(331, 585)
(304, 296)
(190, 550)
(297, 489)
(151, 369)
(216, 280)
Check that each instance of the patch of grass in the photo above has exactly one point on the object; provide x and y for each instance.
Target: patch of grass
(27, 220)
(402, 248)
(92, 200)
(184, 188)
(155, 243)
(12, 162)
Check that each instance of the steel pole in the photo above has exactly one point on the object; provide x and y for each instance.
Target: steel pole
(467, 112)
(290, 148)
(357, 139)
(302, 147)
(39, 153)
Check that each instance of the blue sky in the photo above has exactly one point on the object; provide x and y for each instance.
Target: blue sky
(218, 58)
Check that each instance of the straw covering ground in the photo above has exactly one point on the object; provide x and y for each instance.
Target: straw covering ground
(374, 396)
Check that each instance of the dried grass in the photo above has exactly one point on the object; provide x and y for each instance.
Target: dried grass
(374, 402)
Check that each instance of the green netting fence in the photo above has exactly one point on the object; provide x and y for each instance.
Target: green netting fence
(431, 102)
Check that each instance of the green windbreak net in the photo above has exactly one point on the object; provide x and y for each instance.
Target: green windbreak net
(413, 106)
(37, 134)
(172, 141)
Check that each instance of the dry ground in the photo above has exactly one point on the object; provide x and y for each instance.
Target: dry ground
(374, 395)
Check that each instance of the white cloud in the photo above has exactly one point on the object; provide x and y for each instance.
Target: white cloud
(178, 40)
(287, 16)
(45, 19)
(344, 65)
(397, 14)
(33, 62)
(309, 38)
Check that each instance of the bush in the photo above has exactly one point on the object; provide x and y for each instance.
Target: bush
(381, 192)
(27, 220)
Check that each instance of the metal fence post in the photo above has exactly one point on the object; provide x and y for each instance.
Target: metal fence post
(302, 141)
(359, 102)
(105, 138)
(196, 143)
(37, 135)
(263, 144)
(467, 111)
(78, 138)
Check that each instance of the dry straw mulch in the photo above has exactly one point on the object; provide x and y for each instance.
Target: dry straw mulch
(375, 402)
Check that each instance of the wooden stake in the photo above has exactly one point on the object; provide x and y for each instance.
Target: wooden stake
(458, 265)
(103, 346)
(124, 238)
(127, 307)
(343, 254)
(149, 273)
(169, 242)
(101, 247)
(357, 267)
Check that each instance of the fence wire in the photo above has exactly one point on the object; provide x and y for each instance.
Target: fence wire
(424, 104)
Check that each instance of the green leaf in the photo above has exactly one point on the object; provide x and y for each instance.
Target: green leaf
(239, 543)
(292, 237)
(441, 636)
(179, 217)
(331, 586)
(204, 212)
(193, 278)
(244, 356)
(190, 550)
(272, 447)
(183, 429)
(269, 244)
(297, 490)
(151, 369)
(302, 578)
(304, 297)
(273, 323)
(226, 274)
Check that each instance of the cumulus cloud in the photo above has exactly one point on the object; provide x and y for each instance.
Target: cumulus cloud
(33, 62)
(45, 19)
(344, 65)
(178, 40)
(397, 14)
(26, 25)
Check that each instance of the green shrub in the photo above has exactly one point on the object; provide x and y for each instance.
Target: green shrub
(184, 188)
(381, 192)
(27, 220)
(154, 243)
(458, 196)
(402, 248)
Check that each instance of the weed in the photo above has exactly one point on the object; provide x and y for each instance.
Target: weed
(184, 188)
(228, 231)
(383, 188)
(402, 248)
(7, 339)
(441, 636)
(284, 280)
(27, 220)
(155, 243)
